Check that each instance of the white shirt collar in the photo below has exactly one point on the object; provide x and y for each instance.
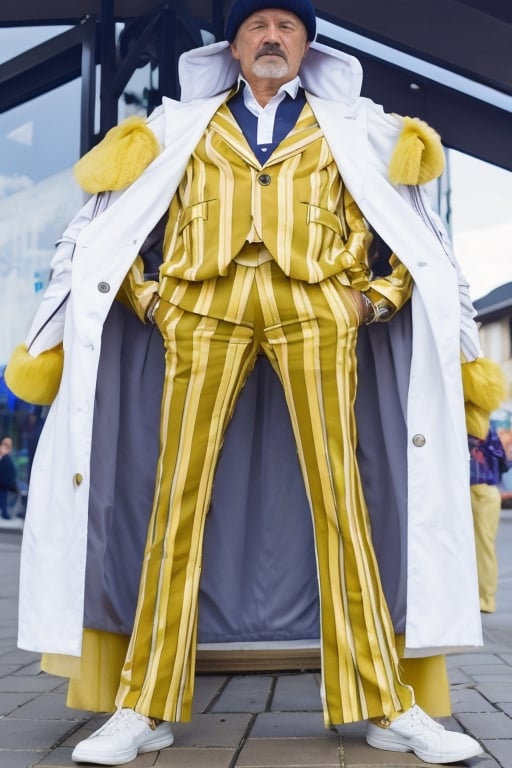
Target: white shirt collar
(266, 115)
(290, 88)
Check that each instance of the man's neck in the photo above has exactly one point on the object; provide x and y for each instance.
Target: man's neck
(264, 90)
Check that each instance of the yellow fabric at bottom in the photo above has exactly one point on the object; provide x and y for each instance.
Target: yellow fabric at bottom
(94, 678)
(428, 677)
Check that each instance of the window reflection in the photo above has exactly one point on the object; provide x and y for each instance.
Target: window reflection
(39, 144)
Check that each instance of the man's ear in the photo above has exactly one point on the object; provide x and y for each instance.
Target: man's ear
(234, 50)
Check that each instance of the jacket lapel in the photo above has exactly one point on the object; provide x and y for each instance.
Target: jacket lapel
(347, 136)
(305, 131)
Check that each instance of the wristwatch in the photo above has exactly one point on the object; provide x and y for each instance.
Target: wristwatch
(152, 307)
(377, 312)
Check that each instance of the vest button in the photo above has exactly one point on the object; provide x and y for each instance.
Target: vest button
(419, 441)
(103, 287)
(264, 179)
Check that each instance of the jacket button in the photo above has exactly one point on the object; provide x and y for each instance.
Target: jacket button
(103, 287)
(264, 179)
(78, 478)
(419, 441)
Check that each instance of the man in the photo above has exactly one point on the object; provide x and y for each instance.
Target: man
(488, 463)
(8, 482)
(266, 182)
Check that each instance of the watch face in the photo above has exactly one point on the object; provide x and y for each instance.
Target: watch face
(384, 311)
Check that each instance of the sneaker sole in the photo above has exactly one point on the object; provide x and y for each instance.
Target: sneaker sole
(87, 757)
(161, 743)
(395, 746)
(83, 756)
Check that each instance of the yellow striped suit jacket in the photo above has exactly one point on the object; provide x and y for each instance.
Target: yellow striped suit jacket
(295, 204)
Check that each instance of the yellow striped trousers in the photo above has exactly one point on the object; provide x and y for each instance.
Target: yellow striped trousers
(213, 332)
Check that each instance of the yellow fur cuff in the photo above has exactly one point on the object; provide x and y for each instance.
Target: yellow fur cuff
(125, 152)
(477, 421)
(485, 388)
(418, 156)
(484, 383)
(35, 379)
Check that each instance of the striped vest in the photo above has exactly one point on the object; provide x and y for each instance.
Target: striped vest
(295, 204)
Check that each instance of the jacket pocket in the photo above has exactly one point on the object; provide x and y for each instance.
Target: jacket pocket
(195, 212)
(199, 230)
(317, 215)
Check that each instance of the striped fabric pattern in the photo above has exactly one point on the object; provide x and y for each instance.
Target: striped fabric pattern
(212, 336)
(295, 204)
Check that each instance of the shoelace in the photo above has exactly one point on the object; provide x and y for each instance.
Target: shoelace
(419, 719)
(119, 719)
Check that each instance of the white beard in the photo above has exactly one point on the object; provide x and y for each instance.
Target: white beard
(270, 69)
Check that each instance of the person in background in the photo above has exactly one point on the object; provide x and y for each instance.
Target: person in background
(485, 390)
(488, 463)
(8, 480)
(33, 426)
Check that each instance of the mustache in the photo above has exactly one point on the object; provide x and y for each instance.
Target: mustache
(270, 49)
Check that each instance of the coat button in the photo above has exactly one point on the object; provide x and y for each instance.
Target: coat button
(264, 179)
(78, 478)
(103, 287)
(419, 441)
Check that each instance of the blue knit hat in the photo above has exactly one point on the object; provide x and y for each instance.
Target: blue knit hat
(241, 9)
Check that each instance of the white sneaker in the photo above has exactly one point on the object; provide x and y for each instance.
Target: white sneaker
(125, 735)
(415, 731)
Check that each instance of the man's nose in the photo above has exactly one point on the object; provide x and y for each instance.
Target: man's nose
(272, 33)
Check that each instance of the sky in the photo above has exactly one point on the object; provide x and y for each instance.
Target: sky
(481, 202)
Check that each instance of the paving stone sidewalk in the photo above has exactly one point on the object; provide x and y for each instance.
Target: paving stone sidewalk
(251, 721)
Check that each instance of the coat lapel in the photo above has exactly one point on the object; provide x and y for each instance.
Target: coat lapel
(347, 136)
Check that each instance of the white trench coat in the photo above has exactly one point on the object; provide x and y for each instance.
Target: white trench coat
(442, 595)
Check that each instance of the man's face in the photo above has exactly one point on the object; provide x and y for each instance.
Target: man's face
(270, 45)
(5, 446)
